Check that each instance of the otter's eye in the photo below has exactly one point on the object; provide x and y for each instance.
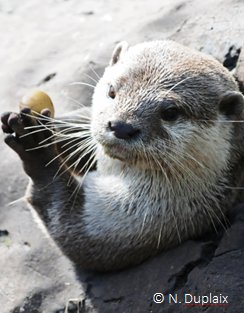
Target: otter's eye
(111, 92)
(170, 114)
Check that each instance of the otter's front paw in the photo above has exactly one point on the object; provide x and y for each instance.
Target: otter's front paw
(30, 138)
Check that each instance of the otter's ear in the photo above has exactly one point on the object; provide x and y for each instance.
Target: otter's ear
(232, 104)
(118, 52)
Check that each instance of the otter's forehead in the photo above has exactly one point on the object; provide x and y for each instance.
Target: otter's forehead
(166, 59)
(163, 64)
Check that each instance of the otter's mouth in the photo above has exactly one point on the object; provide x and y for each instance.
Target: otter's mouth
(116, 151)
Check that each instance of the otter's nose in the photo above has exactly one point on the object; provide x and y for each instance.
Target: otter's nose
(122, 130)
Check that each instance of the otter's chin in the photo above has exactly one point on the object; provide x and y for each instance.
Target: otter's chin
(116, 151)
(127, 156)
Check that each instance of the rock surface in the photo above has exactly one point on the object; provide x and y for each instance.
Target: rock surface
(50, 44)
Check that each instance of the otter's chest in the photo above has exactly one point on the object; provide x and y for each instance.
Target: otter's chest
(132, 194)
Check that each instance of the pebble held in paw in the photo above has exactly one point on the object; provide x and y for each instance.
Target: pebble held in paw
(168, 148)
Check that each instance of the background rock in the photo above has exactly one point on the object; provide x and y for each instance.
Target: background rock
(50, 44)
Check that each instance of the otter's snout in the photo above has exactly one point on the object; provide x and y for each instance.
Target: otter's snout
(122, 130)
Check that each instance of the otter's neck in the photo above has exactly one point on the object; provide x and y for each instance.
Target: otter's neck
(187, 187)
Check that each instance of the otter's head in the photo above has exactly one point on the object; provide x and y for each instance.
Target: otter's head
(162, 105)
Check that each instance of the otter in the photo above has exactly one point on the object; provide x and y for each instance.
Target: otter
(160, 158)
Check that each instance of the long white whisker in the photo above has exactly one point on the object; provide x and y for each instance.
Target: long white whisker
(63, 152)
(83, 84)
(62, 134)
(80, 148)
(223, 121)
(78, 103)
(177, 84)
(93, 79)
(79, 185)
(94, 72)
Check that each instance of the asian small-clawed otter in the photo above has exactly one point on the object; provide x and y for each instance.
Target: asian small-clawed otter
(165, 145)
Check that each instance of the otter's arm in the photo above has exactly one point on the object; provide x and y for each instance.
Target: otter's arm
(49, 190)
